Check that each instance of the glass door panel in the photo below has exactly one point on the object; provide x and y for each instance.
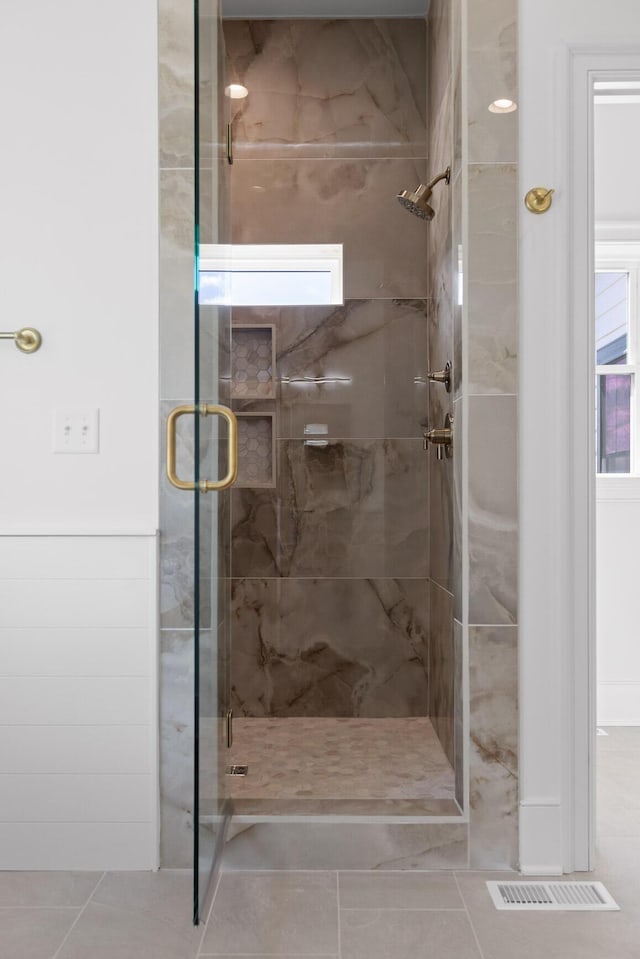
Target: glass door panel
(212, 508)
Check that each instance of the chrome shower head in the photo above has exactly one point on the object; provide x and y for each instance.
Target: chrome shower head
(416, 202)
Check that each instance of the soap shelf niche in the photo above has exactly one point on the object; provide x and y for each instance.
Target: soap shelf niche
(253, 362)
(256, 451)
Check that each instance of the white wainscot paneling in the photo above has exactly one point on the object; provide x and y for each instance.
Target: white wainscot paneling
(618, 624)
(78, 702)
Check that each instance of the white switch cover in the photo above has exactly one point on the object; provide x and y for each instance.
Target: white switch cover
(76, 430)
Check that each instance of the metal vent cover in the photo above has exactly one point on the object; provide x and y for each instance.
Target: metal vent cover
(237, 770)
(566, 896)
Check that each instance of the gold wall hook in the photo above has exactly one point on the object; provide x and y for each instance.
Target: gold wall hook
(27, 339)
(539, 199)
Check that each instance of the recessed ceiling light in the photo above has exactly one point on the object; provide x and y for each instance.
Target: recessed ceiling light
(503, 106)
(236, 91)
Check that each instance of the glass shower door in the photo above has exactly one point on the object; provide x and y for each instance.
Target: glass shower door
(215, 455)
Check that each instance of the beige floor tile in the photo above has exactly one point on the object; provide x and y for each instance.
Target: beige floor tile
(275, 913)
(165, 895)
(406, 934)
(50, 889)
(398, 890)
(33, 933)
(107, 932)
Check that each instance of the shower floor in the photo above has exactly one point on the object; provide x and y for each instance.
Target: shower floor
(351, 766)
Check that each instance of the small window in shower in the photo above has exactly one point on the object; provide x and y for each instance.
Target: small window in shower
(271, 275)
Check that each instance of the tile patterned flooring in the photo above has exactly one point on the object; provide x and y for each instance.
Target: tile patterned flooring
(329, 915)
(354, 766)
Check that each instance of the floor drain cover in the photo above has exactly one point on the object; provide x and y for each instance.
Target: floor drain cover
(237, 770)
(574, 896)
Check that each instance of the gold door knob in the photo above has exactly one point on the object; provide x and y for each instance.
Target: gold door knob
(539, 199)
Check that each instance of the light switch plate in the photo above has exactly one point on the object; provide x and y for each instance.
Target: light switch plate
(76, 430)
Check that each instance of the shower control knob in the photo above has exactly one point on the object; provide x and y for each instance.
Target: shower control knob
(442, 439)
(442, 376)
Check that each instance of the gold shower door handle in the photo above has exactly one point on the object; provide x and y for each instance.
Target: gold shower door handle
(204, 409)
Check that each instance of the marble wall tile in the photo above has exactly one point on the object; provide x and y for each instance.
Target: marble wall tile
(459, 745)
(439, 55)
(338, 201)
(176, 748)
(176, 283)
(441, 496)
(491, 74)
(338, 845)
(330, 647)
(350, 508)
(459, 493)
(492, 24)
(493, 279)
(493, 510)
(493, 679)
(442, 668)
(329, 88)
(459, 256)
(175, 83)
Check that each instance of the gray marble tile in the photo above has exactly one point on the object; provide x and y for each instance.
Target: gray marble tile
(34, 933)
(441, 493)
(110, 932)
(491, 75)
(176, 283)
(398, 890)
(492, 276)
(324, 88)
(406, 934)
(176, 748)
(493, 770)
(358, 368)
(175, 84)
(459, 528)
(456, 74)
(439, 58)
(275, 912)
(347, 846)
(352, 202)
(493, 24)
(493, 579)
(350, 508)
(47, 889)
(459, 257)
(330, 647)
(442, 668)
(459, 744)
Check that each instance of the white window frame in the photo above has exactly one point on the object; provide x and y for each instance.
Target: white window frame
(624, 257)
(278, 257)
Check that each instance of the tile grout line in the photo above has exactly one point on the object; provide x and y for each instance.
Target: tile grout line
(466, 909)
(338, 916)
(79, 916)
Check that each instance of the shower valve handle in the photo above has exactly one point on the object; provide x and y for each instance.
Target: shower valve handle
(442, 376)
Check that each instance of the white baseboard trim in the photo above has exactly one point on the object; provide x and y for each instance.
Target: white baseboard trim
(540, 837)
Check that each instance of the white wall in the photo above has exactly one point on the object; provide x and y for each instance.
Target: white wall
(78, 260)
(553, 794)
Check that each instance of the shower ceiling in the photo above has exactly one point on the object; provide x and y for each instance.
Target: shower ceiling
(270, 9)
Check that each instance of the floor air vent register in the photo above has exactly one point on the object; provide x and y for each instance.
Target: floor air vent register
(552, 896)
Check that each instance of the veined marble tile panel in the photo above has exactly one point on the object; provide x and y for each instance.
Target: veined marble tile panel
(492, 270)
(442, 668)
(493, 514)
(439, 57)
(492, 24)
(458, 713)
(352, 202)
(175, 83)
(330, 647)
(176, 282)
(338, 845)
(493, 680)
(459, 255)
(350, 508)
(491, 74)
(441, 535)
(458, 531)
(326, 88)
(176, 748)
(359, 369)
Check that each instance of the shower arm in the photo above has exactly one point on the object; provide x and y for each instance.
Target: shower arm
(441, 176)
